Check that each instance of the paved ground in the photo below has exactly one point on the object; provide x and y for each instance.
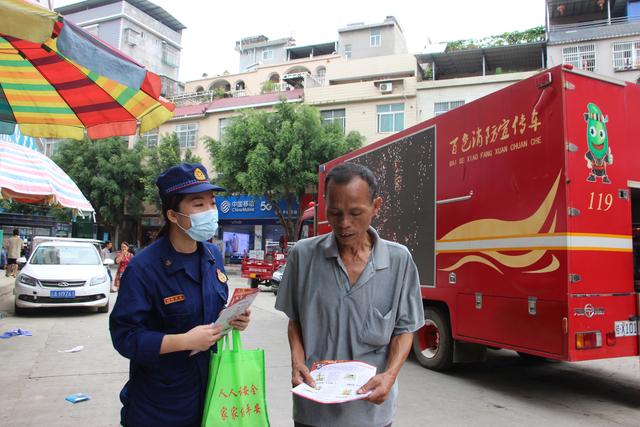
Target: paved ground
(504, 391)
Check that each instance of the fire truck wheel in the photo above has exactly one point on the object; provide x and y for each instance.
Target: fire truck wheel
(433, 343)
(254, 283)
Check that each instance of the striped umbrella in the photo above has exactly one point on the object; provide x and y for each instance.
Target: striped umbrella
(31, 177)
(57, 81)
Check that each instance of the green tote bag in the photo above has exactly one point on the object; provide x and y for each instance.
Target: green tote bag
(236, 394)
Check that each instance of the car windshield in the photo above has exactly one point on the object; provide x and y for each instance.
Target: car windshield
(65, 255)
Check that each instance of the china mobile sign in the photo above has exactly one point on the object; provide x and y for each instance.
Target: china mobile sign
(249, 207)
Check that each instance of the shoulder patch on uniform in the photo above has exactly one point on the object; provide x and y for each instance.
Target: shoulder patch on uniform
(174, 298)
(221, 276)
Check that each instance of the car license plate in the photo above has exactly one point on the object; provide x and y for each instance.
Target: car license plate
(252, 275)
(62, 294)
(626, 328)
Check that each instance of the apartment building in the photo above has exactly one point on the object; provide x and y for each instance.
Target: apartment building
(450, 79)
(365, 81)
(140, 29)
(360, 40)
(602, 36)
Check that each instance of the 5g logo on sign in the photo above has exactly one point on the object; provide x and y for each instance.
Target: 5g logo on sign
(264, 206)
(225, 206)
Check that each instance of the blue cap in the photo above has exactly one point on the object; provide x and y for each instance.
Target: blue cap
(185, 178)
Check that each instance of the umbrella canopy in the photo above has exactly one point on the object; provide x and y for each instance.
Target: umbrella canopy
(31, 177)
(57, 81)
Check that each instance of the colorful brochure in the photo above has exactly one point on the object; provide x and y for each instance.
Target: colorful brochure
(337, 381)
(241, 299)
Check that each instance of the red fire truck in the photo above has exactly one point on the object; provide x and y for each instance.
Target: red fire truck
(522, 211)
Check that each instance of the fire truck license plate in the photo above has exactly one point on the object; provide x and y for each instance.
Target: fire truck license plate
(626, 328)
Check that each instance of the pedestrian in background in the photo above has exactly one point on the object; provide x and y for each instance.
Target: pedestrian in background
(122, 259)
(13, 253)
(105, 253)
(171, 294)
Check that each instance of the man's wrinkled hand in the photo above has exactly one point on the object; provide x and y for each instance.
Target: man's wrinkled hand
(379, 386)
(300, 374)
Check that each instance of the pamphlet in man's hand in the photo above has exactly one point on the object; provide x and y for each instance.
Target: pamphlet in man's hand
(337, 381)
(241, 300)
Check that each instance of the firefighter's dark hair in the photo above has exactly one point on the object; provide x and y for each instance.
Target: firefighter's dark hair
(169, 202)
(346, 172)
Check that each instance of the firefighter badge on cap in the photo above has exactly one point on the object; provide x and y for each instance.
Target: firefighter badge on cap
(221, 276)
(199, 175)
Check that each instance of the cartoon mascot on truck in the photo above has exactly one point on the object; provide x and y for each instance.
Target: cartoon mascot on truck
(599, 154)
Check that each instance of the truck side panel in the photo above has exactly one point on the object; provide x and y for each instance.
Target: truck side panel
(501, 213)
(599, 117)
(405, 170)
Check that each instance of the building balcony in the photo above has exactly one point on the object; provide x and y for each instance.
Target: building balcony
(593, 30)
(207, 96)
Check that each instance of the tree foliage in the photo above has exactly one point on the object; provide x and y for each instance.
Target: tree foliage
(59, 213)
(108, 173)
(277, 154)
(158, 159)
(531, 35)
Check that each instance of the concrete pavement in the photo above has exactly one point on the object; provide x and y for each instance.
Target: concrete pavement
(504, 391)
(36, 376)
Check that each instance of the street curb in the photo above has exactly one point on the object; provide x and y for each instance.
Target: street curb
(6, 285)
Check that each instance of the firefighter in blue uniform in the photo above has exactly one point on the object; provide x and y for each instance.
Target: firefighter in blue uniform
(170, 295)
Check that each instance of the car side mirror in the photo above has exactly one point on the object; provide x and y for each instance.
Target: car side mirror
(22, 260)
(107, 261)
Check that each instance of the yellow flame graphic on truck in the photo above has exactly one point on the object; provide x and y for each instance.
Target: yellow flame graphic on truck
(491, 229)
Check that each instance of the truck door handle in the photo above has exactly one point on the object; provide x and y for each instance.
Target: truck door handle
(455, 199)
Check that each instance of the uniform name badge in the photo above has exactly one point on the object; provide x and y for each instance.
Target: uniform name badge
(221, 276)
(174, 298)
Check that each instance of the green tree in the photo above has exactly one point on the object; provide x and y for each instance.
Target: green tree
(158, 159)
(531, 35)
(109, 174)
(276, 154)
(267, 86)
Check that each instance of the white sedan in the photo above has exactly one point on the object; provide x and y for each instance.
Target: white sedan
(63, 274)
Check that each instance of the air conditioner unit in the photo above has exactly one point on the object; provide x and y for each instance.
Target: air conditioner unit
(386, 87)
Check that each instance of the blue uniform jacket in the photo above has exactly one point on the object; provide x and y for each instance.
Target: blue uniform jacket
(159, 296)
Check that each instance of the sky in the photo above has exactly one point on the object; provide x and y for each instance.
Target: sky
(213, 27)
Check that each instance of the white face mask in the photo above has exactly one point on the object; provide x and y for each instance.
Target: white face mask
(204, 225)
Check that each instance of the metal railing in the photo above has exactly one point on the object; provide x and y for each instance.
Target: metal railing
(594, 24)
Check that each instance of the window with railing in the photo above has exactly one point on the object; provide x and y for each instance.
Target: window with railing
(187, 135)
(132, 37)
(443, 107)
(267, 54)
(222, 125)
(150, 138)
(94, 29)
(626, 55)
(334, 116)
(375, 39)
(347, 51)
(170, 56)
(390, 118)
(582, 56)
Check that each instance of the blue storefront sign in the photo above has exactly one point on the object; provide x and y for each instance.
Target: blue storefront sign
(246, 207)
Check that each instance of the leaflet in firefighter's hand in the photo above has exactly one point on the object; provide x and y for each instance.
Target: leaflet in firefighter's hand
(241, 299)
(336, 381)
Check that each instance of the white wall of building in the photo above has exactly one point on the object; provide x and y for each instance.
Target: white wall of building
(464, 89)
(604, 57)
